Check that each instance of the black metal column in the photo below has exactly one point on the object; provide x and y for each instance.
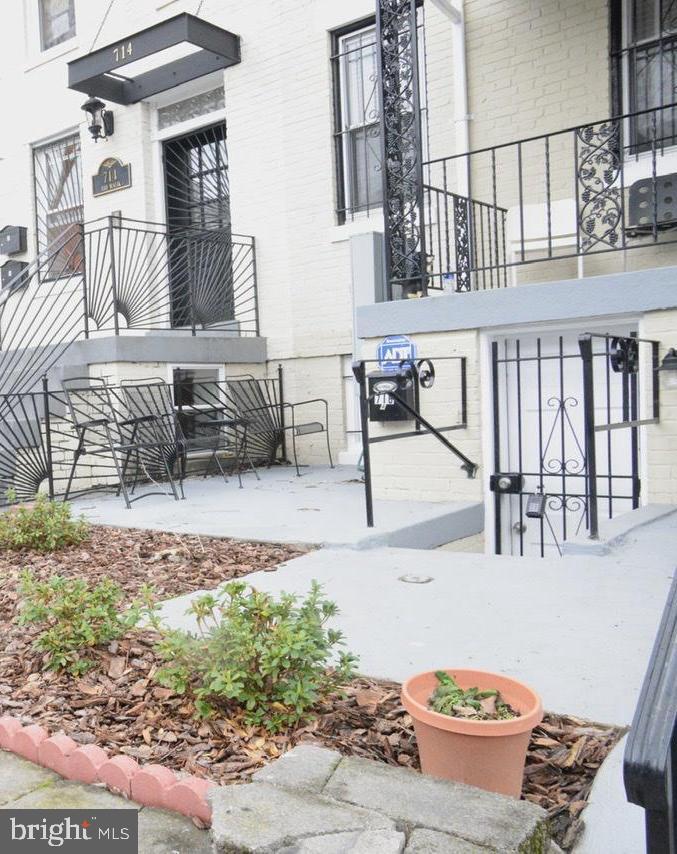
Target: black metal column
(401, 153)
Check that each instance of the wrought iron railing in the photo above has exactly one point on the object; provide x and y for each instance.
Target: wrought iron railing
(39, 434)
(558, 198)
(650, 763)
(113, 275)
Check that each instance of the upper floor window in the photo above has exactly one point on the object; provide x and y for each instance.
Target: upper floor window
(644, 47)
(357, 123)
(357, 117)
(58, 203)
(57, 22)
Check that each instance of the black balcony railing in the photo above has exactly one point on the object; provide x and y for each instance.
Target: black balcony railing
(557, 198)
(115, 275)
(650, 766)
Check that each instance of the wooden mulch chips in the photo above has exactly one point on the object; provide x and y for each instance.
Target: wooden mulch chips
(119, 706)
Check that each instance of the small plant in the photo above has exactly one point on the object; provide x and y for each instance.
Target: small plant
(450, 699)
(74, 618)
(269, 657)
(44, 526)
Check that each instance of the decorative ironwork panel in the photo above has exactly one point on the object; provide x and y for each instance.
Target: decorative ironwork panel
(462, 243)
(401, 146)
(599, 187)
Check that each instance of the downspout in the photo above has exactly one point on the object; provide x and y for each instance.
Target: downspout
(454, 11)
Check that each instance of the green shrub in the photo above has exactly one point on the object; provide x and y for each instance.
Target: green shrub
(268, 657)
(74, 618)
(44, 526)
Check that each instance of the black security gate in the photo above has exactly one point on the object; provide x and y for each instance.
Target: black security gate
(199, 227)
(568, 411)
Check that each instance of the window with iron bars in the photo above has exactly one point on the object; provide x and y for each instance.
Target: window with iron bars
(57, 22)
(357, 129)
(644, 68)
(59, 211)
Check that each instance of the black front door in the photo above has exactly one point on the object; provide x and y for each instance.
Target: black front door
(199, 228)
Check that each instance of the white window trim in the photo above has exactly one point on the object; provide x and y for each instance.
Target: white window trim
(362, 217)
(345, 129)
(35, 56)
(638, 166)
(197, 366)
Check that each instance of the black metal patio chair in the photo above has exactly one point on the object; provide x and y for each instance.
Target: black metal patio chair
(257, 402)
(209, 430)
(102, 431)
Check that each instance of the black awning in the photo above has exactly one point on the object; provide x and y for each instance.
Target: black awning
(102, 72)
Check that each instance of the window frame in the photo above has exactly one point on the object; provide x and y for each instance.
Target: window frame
(42, 15)
(344, 211)
(622, 84)
(42, 210)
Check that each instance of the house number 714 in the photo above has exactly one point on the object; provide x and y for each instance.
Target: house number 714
(122, 51)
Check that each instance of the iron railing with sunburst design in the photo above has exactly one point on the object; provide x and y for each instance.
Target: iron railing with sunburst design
(561, 198)
(39, 433)
(114, 276)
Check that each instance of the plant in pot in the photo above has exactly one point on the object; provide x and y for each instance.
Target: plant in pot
(473, 726)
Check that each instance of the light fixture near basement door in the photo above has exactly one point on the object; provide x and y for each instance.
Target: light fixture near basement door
(668, 369)
(101, 121)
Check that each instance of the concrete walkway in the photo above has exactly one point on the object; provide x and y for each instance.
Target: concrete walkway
(578, 629)
(322, 507)
(24, 785)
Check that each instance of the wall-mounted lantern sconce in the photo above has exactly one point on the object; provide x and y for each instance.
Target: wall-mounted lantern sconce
(668, 369)
(101, 123)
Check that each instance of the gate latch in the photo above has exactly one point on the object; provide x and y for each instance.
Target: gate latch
(506, 482)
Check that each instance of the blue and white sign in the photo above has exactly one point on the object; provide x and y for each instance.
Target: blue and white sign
(393, 350)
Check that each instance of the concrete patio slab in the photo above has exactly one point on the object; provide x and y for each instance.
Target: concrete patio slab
(322, 507)
(578, 629)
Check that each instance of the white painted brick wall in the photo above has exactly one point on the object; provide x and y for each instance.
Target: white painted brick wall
(661, 439)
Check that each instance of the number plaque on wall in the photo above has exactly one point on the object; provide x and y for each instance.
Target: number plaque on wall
(112, 176)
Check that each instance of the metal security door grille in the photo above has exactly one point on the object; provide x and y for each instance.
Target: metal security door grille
(199, 227)
(540, 424)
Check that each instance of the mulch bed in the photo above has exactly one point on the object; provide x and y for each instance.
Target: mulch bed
(119, 706)
(171, 563)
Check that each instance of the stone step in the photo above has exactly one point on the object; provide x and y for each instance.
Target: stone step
(314, 801)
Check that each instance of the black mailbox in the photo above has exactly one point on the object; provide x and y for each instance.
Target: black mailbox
(12, 239)
(11, 272)
(382, 384)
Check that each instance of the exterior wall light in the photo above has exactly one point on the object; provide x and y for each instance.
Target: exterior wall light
(668, 369)
(101, 123)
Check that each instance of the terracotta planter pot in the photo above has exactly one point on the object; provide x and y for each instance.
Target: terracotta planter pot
(487, 754)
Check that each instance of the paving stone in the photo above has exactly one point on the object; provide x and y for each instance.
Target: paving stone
(258, 817)
(305, 767)
(365, 842)
(480, 817)
(162, 832)
(75, 796)
(422, 841)
(18, 777)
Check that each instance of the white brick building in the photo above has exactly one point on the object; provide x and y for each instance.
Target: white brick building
(301, 117)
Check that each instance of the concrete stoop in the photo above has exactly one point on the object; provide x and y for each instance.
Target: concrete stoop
(314, 801)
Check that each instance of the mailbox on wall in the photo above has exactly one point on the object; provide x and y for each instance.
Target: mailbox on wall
(12, 272)
(382, 385)
(12, 239)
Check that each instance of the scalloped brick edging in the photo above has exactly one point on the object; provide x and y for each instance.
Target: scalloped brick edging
(151, 785)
